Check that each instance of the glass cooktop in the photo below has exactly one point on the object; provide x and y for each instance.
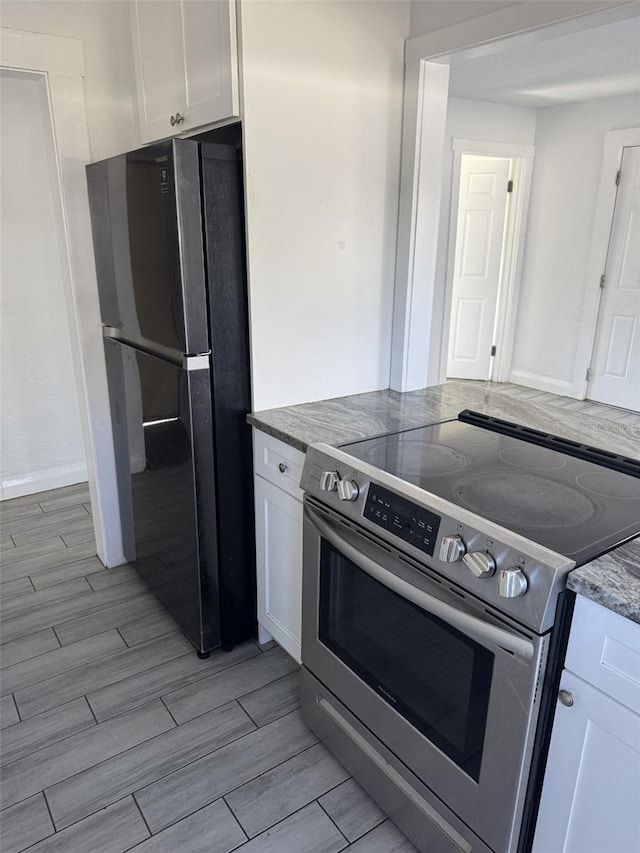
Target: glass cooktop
(569, 504)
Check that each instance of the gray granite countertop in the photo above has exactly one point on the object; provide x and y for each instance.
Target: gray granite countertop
(608, 580)
(612, 580)
(344, 419)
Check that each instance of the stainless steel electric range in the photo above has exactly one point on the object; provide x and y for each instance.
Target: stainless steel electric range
(435, 614)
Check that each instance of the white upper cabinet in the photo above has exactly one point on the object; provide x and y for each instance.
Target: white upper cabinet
(186, 63)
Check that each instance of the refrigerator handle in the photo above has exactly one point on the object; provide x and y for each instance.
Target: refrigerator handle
(186, 362)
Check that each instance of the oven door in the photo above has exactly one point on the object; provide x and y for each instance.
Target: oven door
(441, 681)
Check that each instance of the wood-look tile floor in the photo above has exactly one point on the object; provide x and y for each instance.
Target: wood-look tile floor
(116, 737)
(621, 417)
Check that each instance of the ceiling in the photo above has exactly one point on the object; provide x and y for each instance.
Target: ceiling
(595, 63)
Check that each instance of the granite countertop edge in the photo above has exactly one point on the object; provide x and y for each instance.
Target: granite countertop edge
(612, 580)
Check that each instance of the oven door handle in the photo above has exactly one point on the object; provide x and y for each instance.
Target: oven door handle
(480, 630)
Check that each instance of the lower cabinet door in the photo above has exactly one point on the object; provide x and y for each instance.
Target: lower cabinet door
(591, 795)
(279, 564)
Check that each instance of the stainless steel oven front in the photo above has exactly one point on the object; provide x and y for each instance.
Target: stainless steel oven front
(427, 694)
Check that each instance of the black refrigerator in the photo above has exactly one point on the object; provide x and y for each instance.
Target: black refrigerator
(168, 233)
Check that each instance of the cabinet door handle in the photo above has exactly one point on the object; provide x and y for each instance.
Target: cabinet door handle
(282, 467)
(176, 119)
(566, 697)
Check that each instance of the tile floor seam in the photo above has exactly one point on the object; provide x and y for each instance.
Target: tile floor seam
(329, 816)
(225, 745)
(136, 746)
(248, 714)
(8, 766)
(164, 696)
(93, 713)
(55, 633)
(80, 666)
(133, 797)
(99, 657)
(286, 817)
(228, 743)
(171, 715)
(48, 807)
(270, 770)
(161, 696)
(117, 627)
(232, 813)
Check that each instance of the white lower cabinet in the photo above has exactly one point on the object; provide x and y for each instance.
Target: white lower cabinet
(278, 502)
(591, 795)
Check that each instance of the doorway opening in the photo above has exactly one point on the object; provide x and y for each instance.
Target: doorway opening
(490, 197)
(42, 445)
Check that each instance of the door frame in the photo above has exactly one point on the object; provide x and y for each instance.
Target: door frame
(521, 157)
(418, 298)
(615, 141)
(60, 61)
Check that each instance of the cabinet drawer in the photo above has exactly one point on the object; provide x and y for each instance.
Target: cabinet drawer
(604, 649)
(277, 462)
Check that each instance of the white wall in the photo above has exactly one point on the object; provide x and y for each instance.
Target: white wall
(41, 445)
(471, 120)
(566, 174)
(430, 15)
(323, 110)
(427, 16)
(103, 28)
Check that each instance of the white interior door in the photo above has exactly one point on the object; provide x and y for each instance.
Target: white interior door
(482, 205)
(42, 446)
(615, 370)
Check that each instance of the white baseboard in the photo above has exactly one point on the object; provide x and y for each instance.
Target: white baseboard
(544, 383)
(42, 481)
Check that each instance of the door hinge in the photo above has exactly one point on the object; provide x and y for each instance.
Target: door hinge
(618, 176)
(588, 376)
(493, 350)
(603, 279)
(509, 186)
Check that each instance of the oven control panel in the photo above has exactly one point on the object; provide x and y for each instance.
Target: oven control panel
(412, 523)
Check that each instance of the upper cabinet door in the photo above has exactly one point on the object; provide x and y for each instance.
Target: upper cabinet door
(186, 64)
(210, 61)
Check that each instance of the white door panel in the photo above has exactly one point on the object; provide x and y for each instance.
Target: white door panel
(155, 25)
(210, 61)
(479, 238)
(615, 375)
(476, 247)
(468, 316)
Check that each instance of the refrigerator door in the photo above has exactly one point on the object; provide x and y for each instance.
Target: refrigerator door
(229, 334)
(147, 233)
(161, 412)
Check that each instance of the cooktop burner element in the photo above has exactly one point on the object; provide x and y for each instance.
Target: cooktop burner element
(408, 455)
(610, 485)
(508, 497)
(536, 458)
(568, 504)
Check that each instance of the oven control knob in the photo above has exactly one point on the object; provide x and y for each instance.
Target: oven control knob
(451, 549)
(512, 583)
(347, 490)
(480, 563)
(329, 480)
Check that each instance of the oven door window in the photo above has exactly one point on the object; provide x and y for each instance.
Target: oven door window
(433, 675)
